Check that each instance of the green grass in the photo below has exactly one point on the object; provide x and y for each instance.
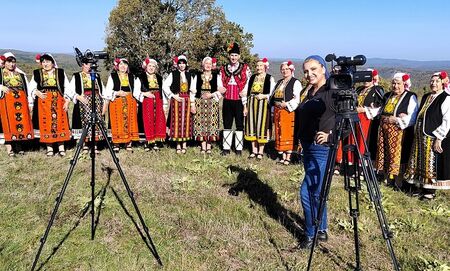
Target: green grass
(194, 222)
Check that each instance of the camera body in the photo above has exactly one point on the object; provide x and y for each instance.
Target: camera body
(91, 57)
(343, 79)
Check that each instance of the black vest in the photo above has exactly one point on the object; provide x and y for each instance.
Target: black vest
(374, 96)
(38, 77)
(266, 89)
(79, 83)
(288, 90)
(144, 83)
(175, 87)
(402, 106)
(24, 81)
(116, 81)
(199, 85)
(433, 114)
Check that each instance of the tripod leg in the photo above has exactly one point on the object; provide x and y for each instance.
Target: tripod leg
(325, 189)
(73, 163)
(352, 185)
(147, 240)
(375, 195)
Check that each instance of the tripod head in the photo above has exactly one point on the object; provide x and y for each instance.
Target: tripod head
(91, 57)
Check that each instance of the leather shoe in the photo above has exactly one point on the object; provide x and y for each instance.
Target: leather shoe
(306, 243)
(225, 152)
(238, 153)
(322, 236)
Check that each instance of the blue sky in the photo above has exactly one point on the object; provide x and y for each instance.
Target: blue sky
(417, 30)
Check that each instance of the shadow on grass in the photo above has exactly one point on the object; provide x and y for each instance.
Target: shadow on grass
(81, 215)
(263, 195)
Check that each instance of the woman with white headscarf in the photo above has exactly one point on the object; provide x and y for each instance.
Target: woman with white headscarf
(395, 134)
(205, 92)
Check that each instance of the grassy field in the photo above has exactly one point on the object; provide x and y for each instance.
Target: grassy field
(195, 223)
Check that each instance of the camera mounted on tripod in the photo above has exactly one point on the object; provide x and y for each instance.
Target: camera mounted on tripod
(91, 57)
(343, 78)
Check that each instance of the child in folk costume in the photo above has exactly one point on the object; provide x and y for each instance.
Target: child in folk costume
(122, 105)
(205, 87)
(50, 119)
(257, 108)
(151, 118)
(14, 110)
(176, 87)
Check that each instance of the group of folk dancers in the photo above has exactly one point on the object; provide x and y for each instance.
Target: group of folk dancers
(411, 140)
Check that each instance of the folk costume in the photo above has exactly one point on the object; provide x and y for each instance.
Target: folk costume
(258, 120)
(427, 167)
(206, 118)
(234, 78)
(177, 86)
(151, 118)
(371, 100)
(287, 90)
(50, 120)
(81, 85)
(395, 139)
(14, 111)
(122, 109)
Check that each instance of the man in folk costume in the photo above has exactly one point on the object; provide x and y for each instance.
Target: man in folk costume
(50, 119)
(176, 87)
(151, 118)
(14, 110)
(80, 92)
(235, 76)
(122, 106)
(396, 131)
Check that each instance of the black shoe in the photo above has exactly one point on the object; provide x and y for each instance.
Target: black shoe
(238, 153)
(306, 243)
(322, 236)
(225, 152)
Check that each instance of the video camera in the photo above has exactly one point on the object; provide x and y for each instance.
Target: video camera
(343, 79)
(90, 57)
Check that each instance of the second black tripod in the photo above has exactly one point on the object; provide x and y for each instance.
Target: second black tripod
(96, 120)
(350, 122)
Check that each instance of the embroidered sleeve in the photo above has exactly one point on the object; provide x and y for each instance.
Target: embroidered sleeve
(70, 91)
(109, 93)
(372, 112)
(137, 93)
(166, 87)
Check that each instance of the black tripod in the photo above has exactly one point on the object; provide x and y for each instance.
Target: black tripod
(347, 121)
(96, 120)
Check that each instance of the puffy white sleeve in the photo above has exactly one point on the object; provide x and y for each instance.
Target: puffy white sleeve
(272, 88)
(67, 87)
(109, 91)
(217, 95)
(442, 131)
(32, 87)
(193, 89)
(410, 118)
(166, 87)
(294, 102)
(137, 93)
(70, 91)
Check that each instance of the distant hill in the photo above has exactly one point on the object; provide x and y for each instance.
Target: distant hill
(420, 71)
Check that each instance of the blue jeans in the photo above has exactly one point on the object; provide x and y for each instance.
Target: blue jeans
(314, 161)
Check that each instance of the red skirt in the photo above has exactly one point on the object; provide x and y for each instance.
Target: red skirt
(154, 119)
(365, 125)
(15, 116)
(180, 119)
